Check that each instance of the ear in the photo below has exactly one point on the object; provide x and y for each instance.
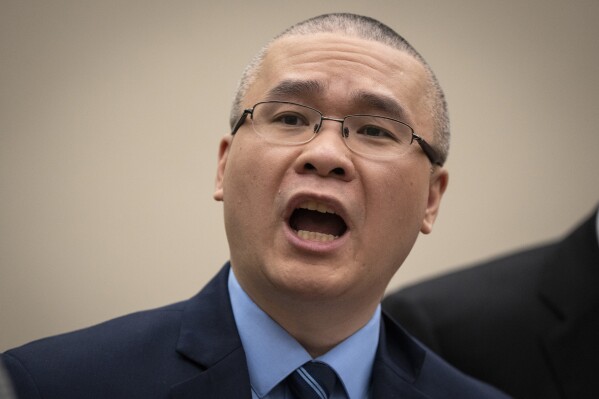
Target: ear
(438, 184)
(223, 154)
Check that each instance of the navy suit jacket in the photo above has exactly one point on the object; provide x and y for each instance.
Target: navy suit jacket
(527, 323)
(192, 350)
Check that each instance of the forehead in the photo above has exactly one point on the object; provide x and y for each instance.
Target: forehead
(352, 73)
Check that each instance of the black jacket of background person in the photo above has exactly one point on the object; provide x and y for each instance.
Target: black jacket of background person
(527, 323)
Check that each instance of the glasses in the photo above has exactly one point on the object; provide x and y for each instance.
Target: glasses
(283, 122)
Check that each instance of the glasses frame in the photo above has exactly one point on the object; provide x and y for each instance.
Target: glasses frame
(428, 150)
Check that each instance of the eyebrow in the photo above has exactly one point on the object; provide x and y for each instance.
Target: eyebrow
(295, 88)
(379, 103)
(370, 101)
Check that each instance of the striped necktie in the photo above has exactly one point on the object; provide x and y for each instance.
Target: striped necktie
(312, 381)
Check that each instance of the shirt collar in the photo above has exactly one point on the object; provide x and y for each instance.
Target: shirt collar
(272, 354)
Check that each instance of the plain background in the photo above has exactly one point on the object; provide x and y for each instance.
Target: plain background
(111, 113)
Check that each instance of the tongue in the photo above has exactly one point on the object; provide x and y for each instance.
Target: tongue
(325, 223)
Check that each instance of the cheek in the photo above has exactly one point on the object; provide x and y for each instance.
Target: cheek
(402, 207)
(251, 183)
(398, 203)
(245, 203)
(246, 175)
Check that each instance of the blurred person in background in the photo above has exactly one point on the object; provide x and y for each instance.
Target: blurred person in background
(526, 322)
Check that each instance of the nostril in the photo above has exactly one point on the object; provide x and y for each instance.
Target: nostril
(335, 171)
(339, 171)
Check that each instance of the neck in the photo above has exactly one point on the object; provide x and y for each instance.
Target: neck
(317, 317)
(319, 325)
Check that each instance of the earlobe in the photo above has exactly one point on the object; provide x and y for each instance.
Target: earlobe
(223, 154)
(438, 184)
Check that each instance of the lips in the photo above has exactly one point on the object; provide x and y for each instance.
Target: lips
(316, 221)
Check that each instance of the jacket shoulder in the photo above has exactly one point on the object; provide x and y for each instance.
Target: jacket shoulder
(103, 358)
(510, 279)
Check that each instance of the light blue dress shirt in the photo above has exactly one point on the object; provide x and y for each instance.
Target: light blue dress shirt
(272, 354)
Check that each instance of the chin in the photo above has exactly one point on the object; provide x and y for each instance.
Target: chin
(312, 282)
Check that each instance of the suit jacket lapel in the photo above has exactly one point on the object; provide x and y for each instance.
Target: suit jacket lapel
(568, 287)
(397, 364)
(209, 338)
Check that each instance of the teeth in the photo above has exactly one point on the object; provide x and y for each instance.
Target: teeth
(315, 206)
(312, 205)
(314, 236)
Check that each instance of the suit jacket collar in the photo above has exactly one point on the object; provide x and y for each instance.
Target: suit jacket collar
(209, 338)
(397, 365)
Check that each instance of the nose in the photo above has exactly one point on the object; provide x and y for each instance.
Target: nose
(326, 155)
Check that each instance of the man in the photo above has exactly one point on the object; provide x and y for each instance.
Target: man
(320, 211)
(526, 323)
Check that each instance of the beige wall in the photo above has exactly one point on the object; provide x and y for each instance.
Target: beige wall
(111, 112)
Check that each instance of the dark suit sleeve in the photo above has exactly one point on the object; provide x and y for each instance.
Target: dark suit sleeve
(19, 377)
(411, 316)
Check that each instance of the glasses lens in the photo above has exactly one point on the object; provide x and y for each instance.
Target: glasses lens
(285, 123)
(377, 136)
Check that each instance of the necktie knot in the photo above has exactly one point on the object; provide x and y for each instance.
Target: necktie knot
(313, 380)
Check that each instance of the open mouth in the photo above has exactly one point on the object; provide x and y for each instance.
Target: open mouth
(317, 222)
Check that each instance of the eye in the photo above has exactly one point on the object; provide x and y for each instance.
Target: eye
(376, 132)
(290, 119)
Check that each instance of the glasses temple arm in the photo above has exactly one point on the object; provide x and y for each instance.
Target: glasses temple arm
(429, 151)
(241, 120)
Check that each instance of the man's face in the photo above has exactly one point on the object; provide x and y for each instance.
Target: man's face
(270, 190)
